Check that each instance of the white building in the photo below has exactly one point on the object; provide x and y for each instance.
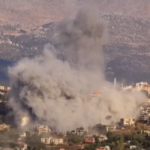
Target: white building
(51, 140)
(23, 135)
(127, 122)
(133, 147)
(42, 129)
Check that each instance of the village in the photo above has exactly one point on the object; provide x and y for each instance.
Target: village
(128, 133)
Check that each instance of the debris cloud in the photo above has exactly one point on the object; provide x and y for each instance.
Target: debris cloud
(58, 93)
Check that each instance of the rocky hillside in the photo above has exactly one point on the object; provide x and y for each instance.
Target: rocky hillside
(25, 30)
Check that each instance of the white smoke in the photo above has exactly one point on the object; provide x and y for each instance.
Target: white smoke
(58, 93)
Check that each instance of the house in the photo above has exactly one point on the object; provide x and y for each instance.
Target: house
(89, 140)
(46, 140)
(127, 122)
(110, 128)
(23, 135)
(52, 140)
(102, 138)
(57, 141)
(133, 147)
(79, 131)
(43, 129)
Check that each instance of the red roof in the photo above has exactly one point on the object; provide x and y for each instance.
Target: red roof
(90, 140)
(97, 92)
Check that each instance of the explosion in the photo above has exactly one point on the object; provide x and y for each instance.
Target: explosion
(58, 93)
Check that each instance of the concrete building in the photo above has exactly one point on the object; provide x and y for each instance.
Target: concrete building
(133, 147)
(110, 128)
(79, 131)
(89, 140)
(52, 140)
(127, 122)
(23, 135)
(102, 138)
(42, 129)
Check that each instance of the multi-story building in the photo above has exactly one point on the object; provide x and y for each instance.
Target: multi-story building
(52, 140)
(42, 129)
(127, 122)
(102, 138)
(79, 131)
(110, 128)
(89, 140)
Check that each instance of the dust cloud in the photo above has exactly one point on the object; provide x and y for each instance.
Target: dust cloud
(58, 93)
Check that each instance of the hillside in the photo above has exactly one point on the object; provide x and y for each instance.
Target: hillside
(25, 30)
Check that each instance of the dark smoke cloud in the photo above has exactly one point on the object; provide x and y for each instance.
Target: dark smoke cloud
(81, 39)
(58, 93)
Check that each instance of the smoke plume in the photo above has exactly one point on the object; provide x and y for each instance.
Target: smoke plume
(58, 93)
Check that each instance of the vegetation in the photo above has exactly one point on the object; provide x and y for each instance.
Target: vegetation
(74, 139)
(123, 142)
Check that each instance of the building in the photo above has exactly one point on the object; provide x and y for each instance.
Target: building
(79, 131)
(133, 147)
(42, 129)
(144, 115)
(89, 140)
(102, 138)
(127, 122)
(57, 141)
(110, 128)
(23, 135)
(4, 127)
(52, 140)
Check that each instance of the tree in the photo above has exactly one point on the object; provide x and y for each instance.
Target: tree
(121, 144)
(33, 139)
(110, 136)
(40, 146)
(127, 137)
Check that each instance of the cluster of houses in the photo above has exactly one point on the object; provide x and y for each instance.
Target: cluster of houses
(49, 139)
(55, 140)
(142, 86)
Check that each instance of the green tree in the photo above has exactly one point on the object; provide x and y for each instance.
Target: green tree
(110, 136)
(121, 144)
(39, 146)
